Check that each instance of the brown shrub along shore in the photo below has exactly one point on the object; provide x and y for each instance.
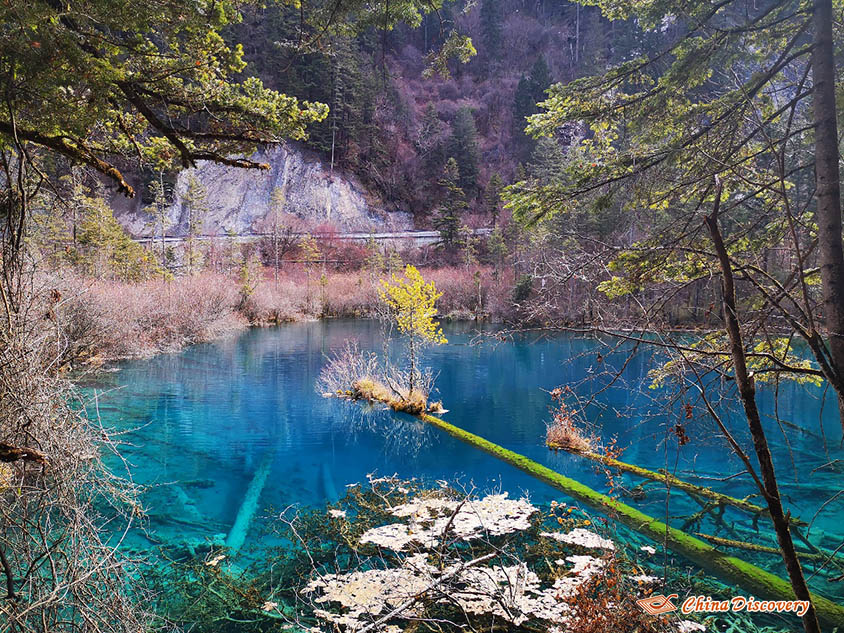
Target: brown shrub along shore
(104, 320)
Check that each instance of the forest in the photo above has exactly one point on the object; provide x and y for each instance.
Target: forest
(422, 316)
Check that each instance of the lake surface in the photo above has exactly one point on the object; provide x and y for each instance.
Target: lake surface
(200, 423)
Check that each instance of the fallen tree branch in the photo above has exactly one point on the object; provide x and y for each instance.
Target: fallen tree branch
(9, 453)
(753, 547)
(680, 484)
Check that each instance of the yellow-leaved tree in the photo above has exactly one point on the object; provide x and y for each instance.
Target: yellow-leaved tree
(412, 302)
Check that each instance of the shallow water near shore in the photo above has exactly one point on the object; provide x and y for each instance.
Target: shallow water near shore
(199, 424)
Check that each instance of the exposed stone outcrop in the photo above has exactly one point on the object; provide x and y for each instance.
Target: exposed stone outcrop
(239, 199)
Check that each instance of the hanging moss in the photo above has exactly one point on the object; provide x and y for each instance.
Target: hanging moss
(759, 582)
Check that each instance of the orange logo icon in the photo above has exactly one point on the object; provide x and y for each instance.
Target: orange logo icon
(658, 604)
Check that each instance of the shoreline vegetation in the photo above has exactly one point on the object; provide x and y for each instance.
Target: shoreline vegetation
(104, 320)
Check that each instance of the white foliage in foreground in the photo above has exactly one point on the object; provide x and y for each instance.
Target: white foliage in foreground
(494, 515)
(582, 537)
(513, 593)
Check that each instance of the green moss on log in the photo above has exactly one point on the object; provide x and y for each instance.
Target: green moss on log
(685, 486)
(760, 583)
(755, 547)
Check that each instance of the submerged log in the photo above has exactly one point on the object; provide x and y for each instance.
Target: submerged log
(754, 547)
(672, 481)
(237, 535)
(761, 583)
(328, 487)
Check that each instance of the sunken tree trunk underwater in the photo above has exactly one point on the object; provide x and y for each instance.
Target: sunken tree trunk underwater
(718, 498)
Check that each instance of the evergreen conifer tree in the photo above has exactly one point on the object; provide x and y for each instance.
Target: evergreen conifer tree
(447, 221)
(492, 196)
(492, 19)
(463, 148)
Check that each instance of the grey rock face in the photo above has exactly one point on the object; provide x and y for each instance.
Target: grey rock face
(239, 199)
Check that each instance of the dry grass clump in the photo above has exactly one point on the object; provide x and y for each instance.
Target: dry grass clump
(562, 433)
(372, 390)
(359, 375)
(413, 402)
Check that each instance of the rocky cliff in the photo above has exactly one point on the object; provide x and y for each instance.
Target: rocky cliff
(239, 199)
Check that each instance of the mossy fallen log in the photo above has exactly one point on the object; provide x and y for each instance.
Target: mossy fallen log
(754, 547)
(761, 583)
(674, 482)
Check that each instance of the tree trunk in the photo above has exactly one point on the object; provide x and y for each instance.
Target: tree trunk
(828, 189)
(747, 392)
(412, 355)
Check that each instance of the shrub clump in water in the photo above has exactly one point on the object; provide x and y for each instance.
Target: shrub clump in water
(562, 433)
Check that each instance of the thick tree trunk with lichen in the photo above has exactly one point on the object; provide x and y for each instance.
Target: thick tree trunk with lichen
(828, 190)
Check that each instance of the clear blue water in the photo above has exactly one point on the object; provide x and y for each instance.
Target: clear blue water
(203, 420)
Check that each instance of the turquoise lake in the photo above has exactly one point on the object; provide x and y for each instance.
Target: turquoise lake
(198, 424)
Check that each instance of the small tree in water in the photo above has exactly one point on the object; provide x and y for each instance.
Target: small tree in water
(412, 303)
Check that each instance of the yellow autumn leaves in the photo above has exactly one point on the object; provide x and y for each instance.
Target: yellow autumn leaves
(413, 303)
